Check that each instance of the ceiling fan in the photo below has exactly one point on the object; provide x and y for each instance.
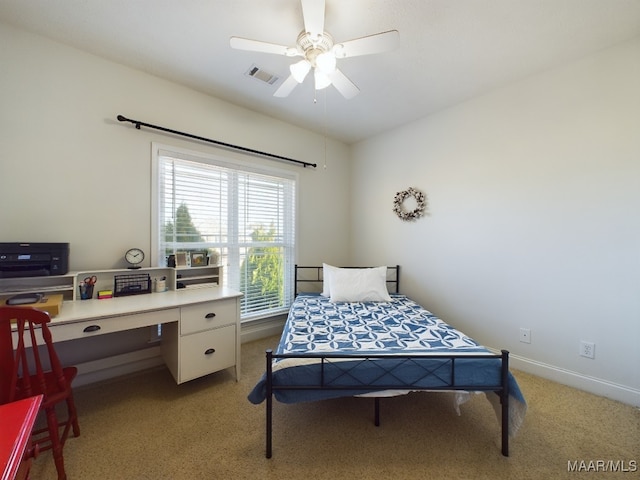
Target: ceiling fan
(319, 52)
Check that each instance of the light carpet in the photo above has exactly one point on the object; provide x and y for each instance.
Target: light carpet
(144, 426)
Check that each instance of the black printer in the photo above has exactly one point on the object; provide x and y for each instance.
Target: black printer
(33, 259)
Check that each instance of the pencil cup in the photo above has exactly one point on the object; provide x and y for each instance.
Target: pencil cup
(161, 285)
(86, 292)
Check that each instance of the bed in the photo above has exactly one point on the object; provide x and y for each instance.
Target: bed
(360, 336)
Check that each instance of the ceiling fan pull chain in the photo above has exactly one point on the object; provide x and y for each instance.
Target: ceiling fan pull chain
(325, 130)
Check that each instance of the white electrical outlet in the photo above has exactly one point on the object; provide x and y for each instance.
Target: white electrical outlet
(587, 349)
(525, 335)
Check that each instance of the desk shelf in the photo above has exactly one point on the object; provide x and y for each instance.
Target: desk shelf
(63, 284)
(67, 285)
(194, 276)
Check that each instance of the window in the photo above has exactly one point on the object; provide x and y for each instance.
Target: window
(241, 216)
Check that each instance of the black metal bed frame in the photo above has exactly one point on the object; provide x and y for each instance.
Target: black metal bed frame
(447, 381)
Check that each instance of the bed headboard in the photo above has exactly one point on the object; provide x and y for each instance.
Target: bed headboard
(309, 279)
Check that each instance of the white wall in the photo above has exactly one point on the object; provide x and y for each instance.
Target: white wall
(69, 172)
(534, 194)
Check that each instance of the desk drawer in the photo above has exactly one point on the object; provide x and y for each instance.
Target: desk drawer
(90, 328)
(207, 352)
(205, 316)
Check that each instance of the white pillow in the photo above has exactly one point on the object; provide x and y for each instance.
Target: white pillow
(358, 285)
(327, 270)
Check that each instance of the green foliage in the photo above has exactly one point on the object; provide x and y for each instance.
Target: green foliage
(184, 229)
(261, 272)
(262, 269)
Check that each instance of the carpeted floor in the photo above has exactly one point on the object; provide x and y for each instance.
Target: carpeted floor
(146, 427)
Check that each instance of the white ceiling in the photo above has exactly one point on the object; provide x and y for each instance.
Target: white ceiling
(450, 50)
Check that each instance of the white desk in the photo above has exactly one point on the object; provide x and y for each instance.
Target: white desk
(201, 326)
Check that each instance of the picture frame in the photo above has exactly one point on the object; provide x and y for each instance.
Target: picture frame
(198, 259)
(181, 259)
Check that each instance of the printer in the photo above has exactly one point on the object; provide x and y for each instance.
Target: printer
(33, 259)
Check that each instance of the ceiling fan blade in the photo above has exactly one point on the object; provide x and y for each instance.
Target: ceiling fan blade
(313, 14)
(240, 43)
(287, 87)
(345, 86)
(376, 43)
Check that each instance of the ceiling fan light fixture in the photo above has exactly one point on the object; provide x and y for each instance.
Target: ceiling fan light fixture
(326, 63)
(322, 80)
(299, 70)
(319, 52)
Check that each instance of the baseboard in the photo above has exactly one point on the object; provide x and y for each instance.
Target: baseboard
(597, 386)
(261, 329)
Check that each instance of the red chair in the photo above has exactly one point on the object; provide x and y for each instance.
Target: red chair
(25, 372)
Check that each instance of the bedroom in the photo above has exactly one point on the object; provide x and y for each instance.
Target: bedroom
(532, 194)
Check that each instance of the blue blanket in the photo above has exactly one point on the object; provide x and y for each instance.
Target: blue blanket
(401, 328)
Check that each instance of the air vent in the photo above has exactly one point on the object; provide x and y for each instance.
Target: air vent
(258, 73)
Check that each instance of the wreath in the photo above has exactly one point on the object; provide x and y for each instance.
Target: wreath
(417, 212)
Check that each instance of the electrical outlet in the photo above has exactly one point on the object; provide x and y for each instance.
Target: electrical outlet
(525, 335)
(587, 349)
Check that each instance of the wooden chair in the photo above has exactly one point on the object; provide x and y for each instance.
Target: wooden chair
(25, 372)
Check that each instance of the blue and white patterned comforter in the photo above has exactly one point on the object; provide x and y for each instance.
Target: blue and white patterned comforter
(317, 326)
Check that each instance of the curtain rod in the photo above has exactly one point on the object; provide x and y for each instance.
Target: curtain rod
(138, 124)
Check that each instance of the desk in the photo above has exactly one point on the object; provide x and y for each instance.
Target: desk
(201, 326)
(16, 423)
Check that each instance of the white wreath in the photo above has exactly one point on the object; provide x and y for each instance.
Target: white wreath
(416, 212)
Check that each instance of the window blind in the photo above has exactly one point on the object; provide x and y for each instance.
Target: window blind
(242, 217)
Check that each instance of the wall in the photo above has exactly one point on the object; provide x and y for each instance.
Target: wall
(69, 172)
(532, 220)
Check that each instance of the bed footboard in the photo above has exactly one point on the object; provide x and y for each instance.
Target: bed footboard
(438, 376)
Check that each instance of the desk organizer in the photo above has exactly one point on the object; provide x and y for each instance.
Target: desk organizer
(131, 284)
